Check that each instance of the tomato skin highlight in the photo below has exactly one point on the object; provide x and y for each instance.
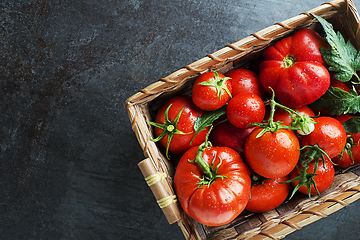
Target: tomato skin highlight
(245, 81)
(224, 199)
(268, 196)
(294, 69)
(180, 142)
(244, 109)
(206, 97)
(323, 179)
(329, 135)
(272, 155)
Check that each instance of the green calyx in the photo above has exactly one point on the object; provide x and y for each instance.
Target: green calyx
(289, 61)
(270, 125)
(209, 172)
(169, 128)
(303, 124)
(349, 144)
(219, 83)
(311, 153)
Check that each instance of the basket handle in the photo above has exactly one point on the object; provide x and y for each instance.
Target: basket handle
(161, 189)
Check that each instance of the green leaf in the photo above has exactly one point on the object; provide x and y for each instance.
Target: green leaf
(343, 57)
(337, 102)
(352, 125)
(207, 120)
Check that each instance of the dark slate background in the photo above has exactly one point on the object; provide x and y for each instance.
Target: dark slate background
(68, 155)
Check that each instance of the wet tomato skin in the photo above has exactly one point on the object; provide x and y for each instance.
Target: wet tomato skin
(329, 135)
(224, 199)
(269, 195)
(272, 155)
(244, 109)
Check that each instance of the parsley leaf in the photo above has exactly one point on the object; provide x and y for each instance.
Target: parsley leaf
(338, 101)
(207, 120)
(352, 125)
(343, 57)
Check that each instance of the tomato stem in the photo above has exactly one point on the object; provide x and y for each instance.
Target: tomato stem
(270, 125)
(219, 83)
(289, 61)
(210, 173)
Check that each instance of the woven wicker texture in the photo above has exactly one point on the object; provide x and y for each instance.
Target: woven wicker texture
(158, 171)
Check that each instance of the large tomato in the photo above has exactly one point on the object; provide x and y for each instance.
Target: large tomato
(221, 199)
(324, 176)
(272, 155)
(268, 195)
(211, 91)
(174, 124)
(294, 69)
(329, 134)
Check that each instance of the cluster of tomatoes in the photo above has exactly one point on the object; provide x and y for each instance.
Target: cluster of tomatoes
(244, 137)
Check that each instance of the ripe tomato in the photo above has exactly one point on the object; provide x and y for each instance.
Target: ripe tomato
(323, 178)
(245, 108)
(269, 195)
(346, 160)
(244, 80)
(181, 131)
(339, 84)
(272, 155)
(225, 197)
(283, 116)
(227, 135)
(294, 69)
(211, 91)
(329, 135)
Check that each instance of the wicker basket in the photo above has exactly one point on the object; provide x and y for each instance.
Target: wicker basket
(158, 171)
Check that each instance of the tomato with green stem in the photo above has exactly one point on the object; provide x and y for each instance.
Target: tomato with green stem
(212, 184)
(294, 68)
(211, 91)
(174, 125)
(314, 177)
(272, 149)
(329, 135)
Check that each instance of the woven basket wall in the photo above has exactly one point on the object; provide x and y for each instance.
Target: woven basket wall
(158, 171)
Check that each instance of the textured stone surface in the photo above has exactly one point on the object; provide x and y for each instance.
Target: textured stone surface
(68, 155)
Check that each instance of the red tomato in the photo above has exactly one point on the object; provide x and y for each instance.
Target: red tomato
(283, 116)
(245, 108)
(294, 69)
(244, 81)
(272, 155)
(338, 84)
(179, 142)
(227, 135)
(346, 160)
(209, 91)
(329, 135)
(269, 195)
(225, 198)
(323, 179)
